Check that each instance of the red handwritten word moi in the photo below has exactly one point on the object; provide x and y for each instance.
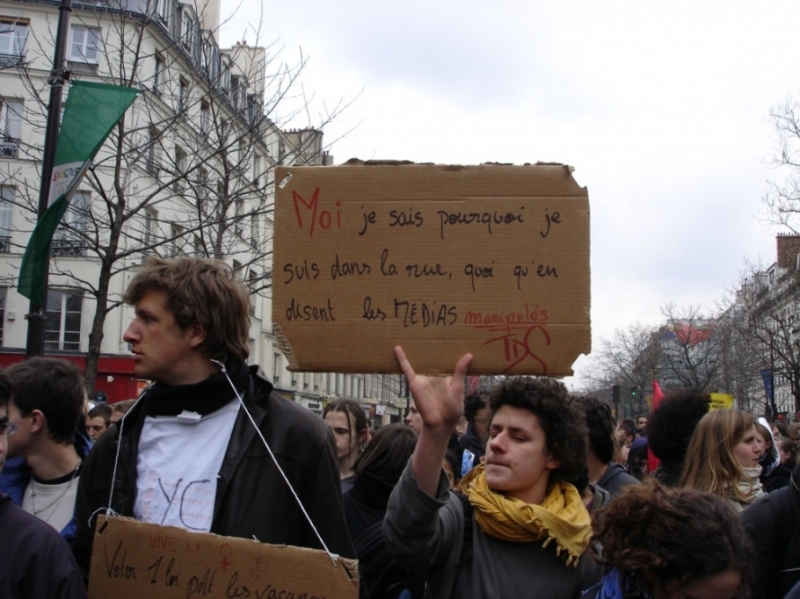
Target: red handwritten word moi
(324, 219)
(516, 342)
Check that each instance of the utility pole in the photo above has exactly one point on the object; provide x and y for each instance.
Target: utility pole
(59, 74)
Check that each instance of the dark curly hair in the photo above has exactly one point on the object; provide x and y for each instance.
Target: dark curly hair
(672, 423)
(561, 417)
(474, 402)
(659, 538)
(601, 425)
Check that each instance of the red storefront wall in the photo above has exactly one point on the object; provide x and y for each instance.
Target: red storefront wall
(123, 384)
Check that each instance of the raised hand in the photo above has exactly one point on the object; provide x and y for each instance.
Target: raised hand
(439, 399)
(440, 402)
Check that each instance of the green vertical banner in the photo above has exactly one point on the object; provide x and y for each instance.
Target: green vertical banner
(91, 111)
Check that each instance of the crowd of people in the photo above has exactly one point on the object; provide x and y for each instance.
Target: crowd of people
(518, 490)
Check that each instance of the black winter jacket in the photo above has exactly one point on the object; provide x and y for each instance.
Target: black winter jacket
(772, 523)
(252, 499)
(35, 562)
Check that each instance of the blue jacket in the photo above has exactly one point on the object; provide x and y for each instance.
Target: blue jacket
(17, 474)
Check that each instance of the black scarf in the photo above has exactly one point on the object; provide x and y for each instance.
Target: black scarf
(204, 397)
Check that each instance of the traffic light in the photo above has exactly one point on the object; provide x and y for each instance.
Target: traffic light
(615, 394)
(634, 390)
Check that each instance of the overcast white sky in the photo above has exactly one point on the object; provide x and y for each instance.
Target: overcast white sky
(663, 111)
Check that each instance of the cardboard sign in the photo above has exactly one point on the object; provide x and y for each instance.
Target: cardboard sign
(442, 260)
(134, 560)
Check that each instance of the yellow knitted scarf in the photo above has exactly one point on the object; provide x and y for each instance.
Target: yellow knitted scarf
(561, 517)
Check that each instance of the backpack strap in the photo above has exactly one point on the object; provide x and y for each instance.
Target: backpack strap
(466, 545)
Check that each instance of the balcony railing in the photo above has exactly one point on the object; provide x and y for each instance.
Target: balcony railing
(9, 148)
(82, 68)
(67, 247)
(10, 60)
(5, 244)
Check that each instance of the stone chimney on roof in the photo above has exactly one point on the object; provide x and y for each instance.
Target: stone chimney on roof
(788, 249)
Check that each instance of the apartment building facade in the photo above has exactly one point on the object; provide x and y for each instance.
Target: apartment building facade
(190, 171)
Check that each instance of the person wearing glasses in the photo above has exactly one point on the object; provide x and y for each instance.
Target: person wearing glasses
(209, 447)
(35, 562)
(49, 446)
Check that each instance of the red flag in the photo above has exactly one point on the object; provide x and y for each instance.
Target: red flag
(658, 395)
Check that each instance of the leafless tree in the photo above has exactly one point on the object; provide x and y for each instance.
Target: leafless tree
(782, 200)
(630, 359)
(190, 169)
(766, 318)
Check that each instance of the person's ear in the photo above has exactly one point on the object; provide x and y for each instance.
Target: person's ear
(38, 421)
(197, 335)
(552, 463)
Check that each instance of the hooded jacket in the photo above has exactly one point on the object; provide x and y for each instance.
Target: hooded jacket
(772, 458)
(252, 499)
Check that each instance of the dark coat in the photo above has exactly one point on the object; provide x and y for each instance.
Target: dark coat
(615, 479)
(779, 477)
(252, 499)
(35, 562)
(471, 442)
(365, 508)
(776, 540)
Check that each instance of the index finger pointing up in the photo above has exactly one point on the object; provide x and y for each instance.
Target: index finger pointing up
(405, 365)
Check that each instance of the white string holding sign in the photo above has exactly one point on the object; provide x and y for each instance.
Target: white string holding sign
(333, 556)
(109, 511)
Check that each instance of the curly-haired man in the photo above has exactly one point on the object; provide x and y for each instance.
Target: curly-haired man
(521, 530)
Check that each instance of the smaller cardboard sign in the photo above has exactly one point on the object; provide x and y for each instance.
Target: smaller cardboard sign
(132, 560)
(720, 401)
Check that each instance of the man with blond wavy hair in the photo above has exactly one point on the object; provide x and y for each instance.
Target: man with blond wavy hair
(192, 452)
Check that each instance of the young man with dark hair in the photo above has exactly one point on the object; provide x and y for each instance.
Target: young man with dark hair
(626, 435)
(98, 420)
(190, 452)
(35, 562)
(46, 408)
(521, 530)
(600, 451)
